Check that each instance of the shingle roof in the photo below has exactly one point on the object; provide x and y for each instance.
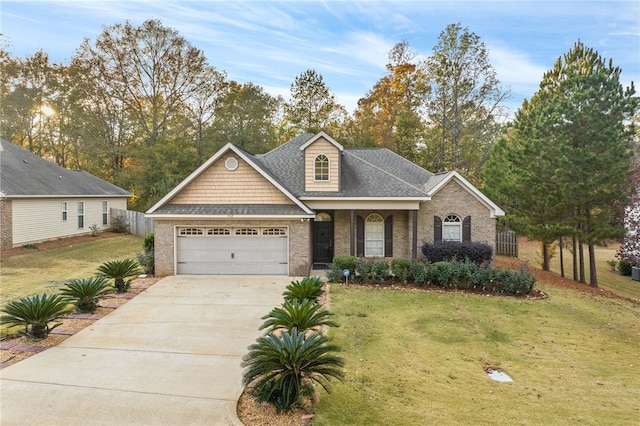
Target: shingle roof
(25, 174)
(230, 209)
(366, 172)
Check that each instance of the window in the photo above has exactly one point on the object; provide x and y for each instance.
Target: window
(105, 213)
(452, 228)
(191, 231)
(374, 235)
(218, 231)
(246, 231)
(65, 209)
(80, 214)
(322, 168)
(274, 231)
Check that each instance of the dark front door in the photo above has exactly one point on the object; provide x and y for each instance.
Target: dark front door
(323, 238)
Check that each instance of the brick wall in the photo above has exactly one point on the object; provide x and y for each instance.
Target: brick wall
(6, 228)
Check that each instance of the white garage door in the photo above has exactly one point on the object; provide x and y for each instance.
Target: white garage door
(232, 251)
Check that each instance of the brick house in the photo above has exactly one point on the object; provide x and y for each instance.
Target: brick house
(40, 200)
(306, 201)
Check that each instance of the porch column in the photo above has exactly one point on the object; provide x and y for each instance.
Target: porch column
(414, 245)
(352, 232)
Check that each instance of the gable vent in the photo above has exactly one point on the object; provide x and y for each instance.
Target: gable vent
(231, 164)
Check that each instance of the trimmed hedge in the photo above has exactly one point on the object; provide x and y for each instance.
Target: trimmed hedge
(467, 251)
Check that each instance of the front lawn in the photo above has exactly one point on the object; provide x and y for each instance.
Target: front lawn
(46, 271)
(418, 358)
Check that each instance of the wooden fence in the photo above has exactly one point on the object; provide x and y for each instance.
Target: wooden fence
(137, 223)
(507, 243)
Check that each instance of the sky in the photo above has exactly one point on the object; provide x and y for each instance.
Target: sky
(269, 43)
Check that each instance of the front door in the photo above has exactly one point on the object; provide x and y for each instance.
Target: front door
(323, 238)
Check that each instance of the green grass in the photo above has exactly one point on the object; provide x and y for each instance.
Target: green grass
(47, 271)
(417, 358)
(607, 279)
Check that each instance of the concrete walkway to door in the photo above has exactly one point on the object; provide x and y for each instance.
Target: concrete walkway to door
(170, 356)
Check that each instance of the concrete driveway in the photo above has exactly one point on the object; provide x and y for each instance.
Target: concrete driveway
(170, 356)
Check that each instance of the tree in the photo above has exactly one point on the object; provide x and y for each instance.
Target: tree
(247, 116)
(569, 153)
(150, 70)
(390, 114)
(312, 107)
(465, 104)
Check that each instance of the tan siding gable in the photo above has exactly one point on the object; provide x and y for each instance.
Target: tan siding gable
(322, 146)
(217, 185)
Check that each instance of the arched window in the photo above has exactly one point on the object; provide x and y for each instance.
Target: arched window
(374, 235)
(452, 228)
(321, 168)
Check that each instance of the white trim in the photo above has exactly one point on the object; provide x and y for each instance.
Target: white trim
(229, 217)
(65, 196)
(494, 209)
(364, 204)
(315, 169)
(322, 135)
(207, 164)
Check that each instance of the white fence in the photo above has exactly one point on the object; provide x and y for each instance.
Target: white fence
(137, 223)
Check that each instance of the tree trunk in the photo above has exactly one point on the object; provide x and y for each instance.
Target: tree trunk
(545, 256)
(581, 260)
(561, 257)
(575, 258)
(593, 277)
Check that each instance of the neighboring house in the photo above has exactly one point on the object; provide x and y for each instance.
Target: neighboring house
(307, 201)
(40, 200)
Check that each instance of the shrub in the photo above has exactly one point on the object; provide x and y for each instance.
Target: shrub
(285, 366)
(446, 251)
(380, 270)
(419, 273)
(95, 231)
(35, 313)
(345, 262)
(119, 224)
(401, 269)
(85, 292)
(119, 271)
(364, 268)
(147, 259)
(624, 266)
(613, 264)
(334, 274)
(303, 315)
(307, 288)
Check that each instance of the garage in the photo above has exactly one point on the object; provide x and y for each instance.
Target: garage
(232, 251)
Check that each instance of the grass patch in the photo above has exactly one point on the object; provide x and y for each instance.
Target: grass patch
(607, 279)
(46, 271)
(416, 358)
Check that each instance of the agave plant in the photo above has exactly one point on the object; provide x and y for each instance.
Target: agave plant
(119, 271)
(85, 292)
(283, 367)
(307, 288)
(35, 313)
(303, 315)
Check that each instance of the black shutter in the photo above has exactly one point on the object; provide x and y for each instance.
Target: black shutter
(437, 229)
(359, 236)
(388, 236)
(466, 229)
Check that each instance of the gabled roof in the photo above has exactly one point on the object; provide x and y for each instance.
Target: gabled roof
(322, 135)
(25, 175)
(438, 181)
(249, 159)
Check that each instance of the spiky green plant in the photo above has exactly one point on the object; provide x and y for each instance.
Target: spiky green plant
(85, 292)
(284, 366)
(307, 288)
(35, 313)
(303, 315)
(119, 271)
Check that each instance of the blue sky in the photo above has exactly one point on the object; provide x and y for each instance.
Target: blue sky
(269, 43)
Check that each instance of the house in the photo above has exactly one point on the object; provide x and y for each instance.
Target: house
(306, 201)
(40, 200)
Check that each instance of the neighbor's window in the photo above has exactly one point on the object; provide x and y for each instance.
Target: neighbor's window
(80, 214)
(65, 209)
(105, 213)
(322, 168)
(374, 235)
(452, 228)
